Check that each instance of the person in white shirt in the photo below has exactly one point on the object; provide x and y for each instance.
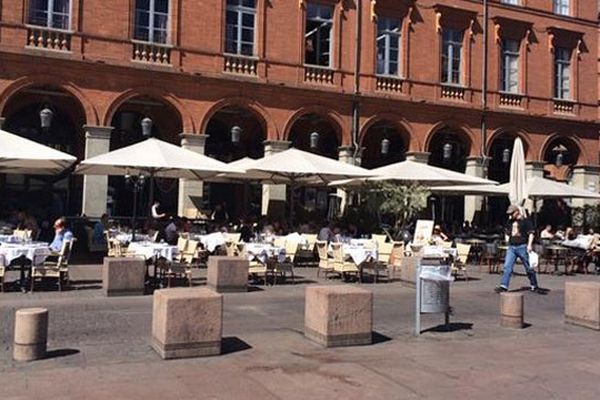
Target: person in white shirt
(155, 213)
(547, 233)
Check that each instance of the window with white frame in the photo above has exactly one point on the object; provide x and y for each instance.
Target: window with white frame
(240, 27)
(152, 21)
(50, 13)
(318, 34)
(510, 66)
(562, 73)
(562, 7)
(388, 46)
(513, 2)
(452, 42)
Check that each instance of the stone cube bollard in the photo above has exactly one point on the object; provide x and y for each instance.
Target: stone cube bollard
(187, 322)
(227, 274)
(31, 334)
(123, 276)
(582, 304)
(511, 310)
(338, 315)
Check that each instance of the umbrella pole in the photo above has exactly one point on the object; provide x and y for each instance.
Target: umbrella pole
(535, 213)
(134, 216)
(292, 187)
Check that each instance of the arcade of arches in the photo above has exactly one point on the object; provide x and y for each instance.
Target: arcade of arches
(234, 132)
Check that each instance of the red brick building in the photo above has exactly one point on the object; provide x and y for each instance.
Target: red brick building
(286, 71)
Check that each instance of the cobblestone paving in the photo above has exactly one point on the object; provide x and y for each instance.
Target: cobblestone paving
(99, 349)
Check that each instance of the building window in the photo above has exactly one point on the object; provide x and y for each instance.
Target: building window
(513, 2)
(562, 7)
(50, 13)
(452, 57)
(318, 34)
(240, 26)
(510, 66)
(152, 21)
(562, 72)
(388, 46)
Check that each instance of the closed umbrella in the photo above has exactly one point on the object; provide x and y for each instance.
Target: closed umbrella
(23, 156)
(517, 186)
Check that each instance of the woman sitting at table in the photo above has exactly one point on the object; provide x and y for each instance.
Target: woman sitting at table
(61, 233)
(547, 233)
(437, 237)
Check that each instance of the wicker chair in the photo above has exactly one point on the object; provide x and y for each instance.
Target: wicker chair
(325, 262)
(342, 267)
(287, 266)
(380, 239)
(58, 269)
(182, 268)
(460, 264)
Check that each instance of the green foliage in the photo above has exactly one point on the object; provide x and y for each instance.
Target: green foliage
(399, 204)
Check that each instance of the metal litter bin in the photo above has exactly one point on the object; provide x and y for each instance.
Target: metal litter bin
(433, 292)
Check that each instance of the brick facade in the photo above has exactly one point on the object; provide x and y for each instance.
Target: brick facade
(97, 64)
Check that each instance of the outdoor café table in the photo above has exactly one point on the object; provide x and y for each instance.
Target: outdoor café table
(556, 253)
(127, 237)
(151, 250)
(476, 246)
(264, 251)
(358, 253)
(23, 255)
(212, 240)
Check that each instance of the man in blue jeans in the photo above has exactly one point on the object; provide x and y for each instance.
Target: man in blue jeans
(520, 233)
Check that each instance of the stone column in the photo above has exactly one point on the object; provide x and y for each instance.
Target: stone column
(585, 177)
(190, 187)
(95, 187)
(418, 156)
(534, 169)
(274, 196)
(345, 155)
(474, 203)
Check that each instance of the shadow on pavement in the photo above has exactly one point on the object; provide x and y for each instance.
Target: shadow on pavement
(61, 353)
(451, 327)
(233, 344)
(377, 338)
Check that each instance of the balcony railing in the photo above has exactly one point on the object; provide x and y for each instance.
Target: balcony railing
(511, 100)
(453, 93)
(240, 65)
(152, 53)
(389, 84)
(564, 106)
(318, 75)
(49, 39)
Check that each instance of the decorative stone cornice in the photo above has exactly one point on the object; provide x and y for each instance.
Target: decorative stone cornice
(192, 140)
(98, 132)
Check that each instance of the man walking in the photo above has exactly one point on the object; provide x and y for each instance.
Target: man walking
(520, 234)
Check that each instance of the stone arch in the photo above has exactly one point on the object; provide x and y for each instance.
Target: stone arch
(575, 141)
(462, 130)
(520, 133)
(90, 112)
(332, 116)
(255, 107)
(401, 125)
(185, 117)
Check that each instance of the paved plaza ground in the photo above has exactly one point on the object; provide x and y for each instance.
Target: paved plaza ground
(99, 348)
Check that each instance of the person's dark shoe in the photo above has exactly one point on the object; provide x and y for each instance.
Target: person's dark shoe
(500, 289)
(538, 290)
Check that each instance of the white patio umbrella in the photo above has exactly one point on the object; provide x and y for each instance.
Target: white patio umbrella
(537, 188)
(157, 158)
(296, 167)
(517, 186)
(412, 171)
(153, 158)
(23, 156)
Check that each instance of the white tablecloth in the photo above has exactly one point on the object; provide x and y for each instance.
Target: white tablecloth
(126, 237)
(212, 240)
(34, 252)
(264, 251)
(9, 239)
(150, 250)
(357, 253)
